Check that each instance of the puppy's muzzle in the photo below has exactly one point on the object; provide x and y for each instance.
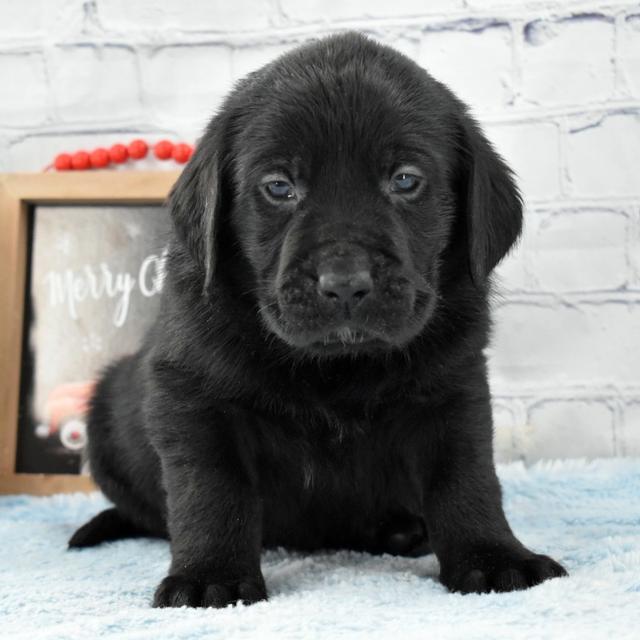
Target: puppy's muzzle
(342, 294)
(344, 284)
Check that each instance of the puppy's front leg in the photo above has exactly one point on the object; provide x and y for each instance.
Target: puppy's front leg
(468, 530)
(213, 509)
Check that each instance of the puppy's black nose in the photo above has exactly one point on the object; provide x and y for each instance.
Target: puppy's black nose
(348, 287)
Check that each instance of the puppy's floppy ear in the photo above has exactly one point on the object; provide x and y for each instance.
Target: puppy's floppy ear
(491, 203)
(196, 201)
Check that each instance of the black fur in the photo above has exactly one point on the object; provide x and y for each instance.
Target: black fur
(275, 404)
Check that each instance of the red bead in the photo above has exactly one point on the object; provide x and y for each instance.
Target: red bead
(163, 150)
(62, 162)
(138, 149)
(182, 152)
(80, 160)
(99, 158)
(118, 153)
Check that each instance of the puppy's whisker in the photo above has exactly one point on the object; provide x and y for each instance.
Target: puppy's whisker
(269, 305)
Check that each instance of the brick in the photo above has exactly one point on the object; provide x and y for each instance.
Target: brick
(540, 346)
(531, 149)
(634, 248)
(95, 82)
(20, 19)
(24, 94)
(247, 59)
(569, 429)
(507, 421)
(629, 61)
(629, 434)
(332, 10)
(579, 251)
(568, 61)
(476, 65)
(186, 82)
(603, 157)
(188, 15)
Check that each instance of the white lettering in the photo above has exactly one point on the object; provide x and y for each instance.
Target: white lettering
(98, 282)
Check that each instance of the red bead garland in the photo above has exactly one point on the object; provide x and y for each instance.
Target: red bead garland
(181, 152)
(62, 162)
(138, 149)
(99, 158)
(119, 153)
(80, 160)
(163, 150)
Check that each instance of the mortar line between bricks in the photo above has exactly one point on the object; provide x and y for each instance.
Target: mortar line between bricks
(71, 127)
(570, 202)
(582, 392)
(463, 18)
(569, 298)
(623, 207)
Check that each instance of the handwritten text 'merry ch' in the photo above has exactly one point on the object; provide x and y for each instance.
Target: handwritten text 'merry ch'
(70, 288)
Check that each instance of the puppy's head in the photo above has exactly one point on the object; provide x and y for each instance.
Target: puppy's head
(352, 182)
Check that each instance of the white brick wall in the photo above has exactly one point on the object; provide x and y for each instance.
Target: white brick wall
(533, 151)
(24, 91)
(595, 149)
(87, 81)
(557, 67)
(183, 84)
(629, 56)
(555, 82)
(185, 15)
(578, 428)
(476, 64)
(583, 250)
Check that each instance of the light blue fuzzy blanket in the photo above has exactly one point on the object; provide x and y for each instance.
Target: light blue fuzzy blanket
(585, 514)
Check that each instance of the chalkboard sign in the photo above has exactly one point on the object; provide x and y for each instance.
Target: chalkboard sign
(82, 258)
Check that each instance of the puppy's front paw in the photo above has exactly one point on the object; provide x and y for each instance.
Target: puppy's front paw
(498, 568)
(178, 591)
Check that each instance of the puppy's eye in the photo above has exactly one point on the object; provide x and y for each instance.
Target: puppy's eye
(404, 182)
(280, 190)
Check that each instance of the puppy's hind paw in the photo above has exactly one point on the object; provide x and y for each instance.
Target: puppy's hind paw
(178, 591)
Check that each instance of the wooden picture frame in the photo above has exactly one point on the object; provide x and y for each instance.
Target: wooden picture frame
(19, 193)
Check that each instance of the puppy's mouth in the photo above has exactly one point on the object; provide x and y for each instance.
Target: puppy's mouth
(334, 339)
(345, 336)
(346, 340)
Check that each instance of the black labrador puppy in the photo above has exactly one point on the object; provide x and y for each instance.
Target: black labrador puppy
(315, 378)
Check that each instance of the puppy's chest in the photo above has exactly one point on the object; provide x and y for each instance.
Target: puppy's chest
(335, 486)
(342, 458)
